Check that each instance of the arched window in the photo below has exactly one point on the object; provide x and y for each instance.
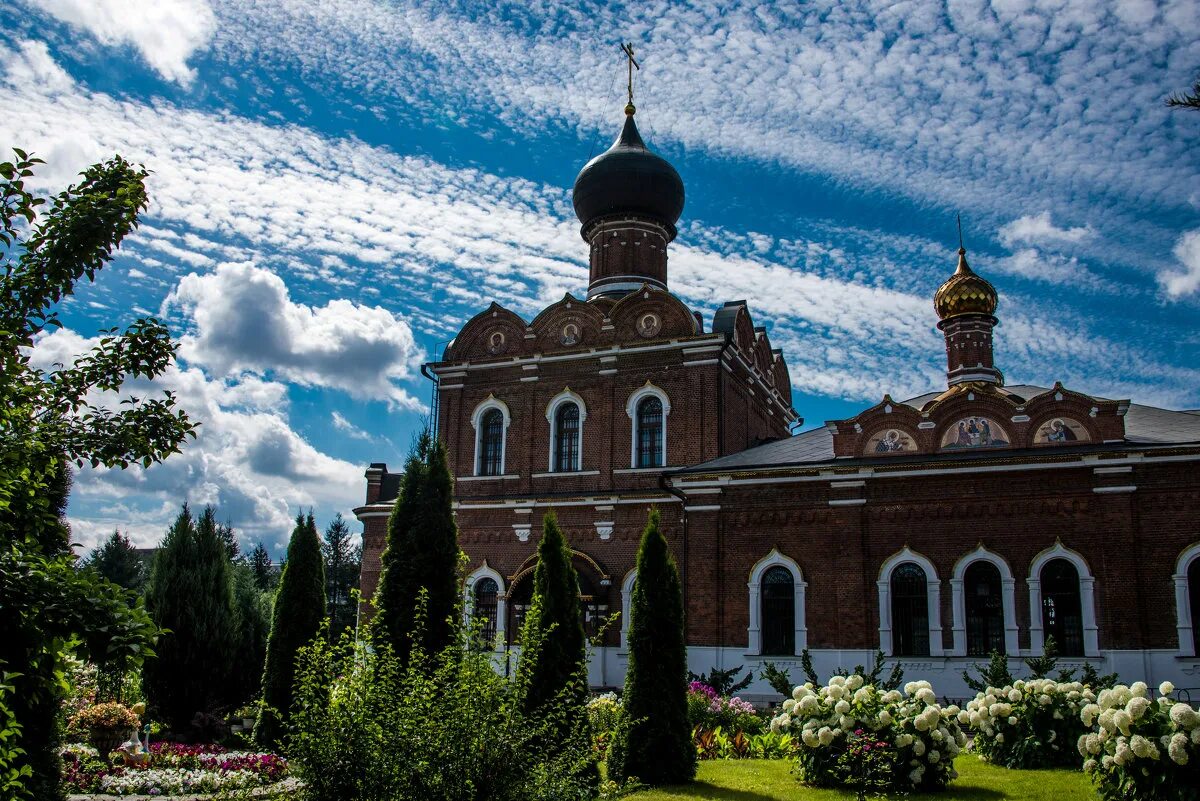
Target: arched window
(491, 443)
(778, 612)
(484, 609)
(566, 437)
(910, 611)
(984, 609)
(520, 596)
(1193, 575)
(649, 432)
(1062, 611)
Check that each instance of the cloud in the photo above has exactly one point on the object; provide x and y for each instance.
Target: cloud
(1038, 229)
(349, 429)
(244, 320)
(165, 32)
(32, 64)
(1187, 251)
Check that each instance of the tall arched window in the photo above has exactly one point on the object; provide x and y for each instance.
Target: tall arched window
(491, 443)
(1193, 575)
(778, 612)
(487, 594)
(649, 432)
(985, 609)
(910, 611)
(566, 437)
(1062, 611)
(520, 596)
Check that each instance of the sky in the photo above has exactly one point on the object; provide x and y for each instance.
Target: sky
(336, 187)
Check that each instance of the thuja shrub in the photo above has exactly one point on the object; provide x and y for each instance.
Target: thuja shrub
(922, 737)
(1028, 724)
(1141, 750)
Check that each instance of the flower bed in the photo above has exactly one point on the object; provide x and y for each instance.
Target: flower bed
(1028, 724)
(1141, 750)
(708, 710)
(174, 769)
(922, 737)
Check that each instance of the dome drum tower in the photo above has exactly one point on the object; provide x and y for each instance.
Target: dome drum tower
(966, 304)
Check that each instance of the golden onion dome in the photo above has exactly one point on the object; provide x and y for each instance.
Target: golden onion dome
(964, 292)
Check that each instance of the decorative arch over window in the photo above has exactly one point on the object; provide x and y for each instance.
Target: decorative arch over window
(909, 583)
(984, 605)
(476, 601)
(1187, 600)
(648, 408)
(566, 413)
(626, 605)
(1064, 600)
(777, 615)
(490, 421)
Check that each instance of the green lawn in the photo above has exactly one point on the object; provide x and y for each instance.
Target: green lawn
(763, 780)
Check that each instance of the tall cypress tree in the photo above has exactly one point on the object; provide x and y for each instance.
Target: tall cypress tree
(421, 554)
(191, 594)
(298, 614)
(654, 743)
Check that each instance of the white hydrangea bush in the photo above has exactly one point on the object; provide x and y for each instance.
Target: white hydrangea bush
(1028, 724)
(922, 737)
(1141, 749)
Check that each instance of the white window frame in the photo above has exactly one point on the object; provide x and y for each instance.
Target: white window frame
(1087, 600)
(627, 585)
(566, 396)
(1184, 624)
(486, 571)
(933, 593)
(754, 630)
(1008, 591)
(486, 405)
(631, 409)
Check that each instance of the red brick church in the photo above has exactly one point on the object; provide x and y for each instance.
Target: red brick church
(978, 516)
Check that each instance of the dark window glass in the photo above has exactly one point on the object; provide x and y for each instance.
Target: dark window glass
(589, 604)
(649, 432)
(520, 595)
(910, 611)
(1193, 579)
(486, 595)
(1062, 613)
(985, 609)
(778, 595)
(566, 435)
(491, 443)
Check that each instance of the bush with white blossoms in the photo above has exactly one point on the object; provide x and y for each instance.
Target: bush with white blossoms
(925, 737)
(1028, 724)
(1141, 749)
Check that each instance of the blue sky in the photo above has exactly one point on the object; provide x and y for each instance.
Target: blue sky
(338, 186)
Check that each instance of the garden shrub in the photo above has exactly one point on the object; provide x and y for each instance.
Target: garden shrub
(725, 682)
(708, 709)
(923, 737)
(1028, 724)
(1141, 750)
(12, 772)
(719, 744)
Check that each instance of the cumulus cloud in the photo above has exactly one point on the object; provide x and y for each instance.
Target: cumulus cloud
(165, 32)
(1187, 251)
(1039, 229)
(342, 424)
(32, 64)
(245, 320)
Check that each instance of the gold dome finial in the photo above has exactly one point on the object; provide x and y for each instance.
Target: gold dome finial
(964, 292)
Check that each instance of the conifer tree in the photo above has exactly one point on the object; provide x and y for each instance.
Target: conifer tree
(421, 554)
(561, 648)
(260, 566)
(117, 560)
(654, 741)
(191, 594)
(342, 563)
(253, 624)
(296, 620)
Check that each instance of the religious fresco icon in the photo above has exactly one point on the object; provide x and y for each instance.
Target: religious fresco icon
(570, 334)
(497, 343)
(1060, 430)
(890, 440)
(974, 432)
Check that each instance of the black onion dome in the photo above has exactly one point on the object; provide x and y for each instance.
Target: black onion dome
(629, 178)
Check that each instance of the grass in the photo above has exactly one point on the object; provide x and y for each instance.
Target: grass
(772, 780)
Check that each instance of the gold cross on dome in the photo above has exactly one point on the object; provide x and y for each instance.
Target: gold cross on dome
(627, 49)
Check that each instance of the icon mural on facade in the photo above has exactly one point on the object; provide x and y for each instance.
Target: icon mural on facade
(1060, 430)
(890, 440)
(974, 432)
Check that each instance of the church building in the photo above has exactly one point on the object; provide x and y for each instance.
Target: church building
(978, 516)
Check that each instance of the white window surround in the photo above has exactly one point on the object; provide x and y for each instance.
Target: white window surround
(754, 631)
(486, 571)
(1087, 600)
(566, 396)
(627, 604)
(1183, 602)
(487, 404)
(1008, 590)
(933, 591)
(631, 405)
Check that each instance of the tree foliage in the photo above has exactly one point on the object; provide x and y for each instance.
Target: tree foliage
(118, 561)
(343, 560)
(1186, 99)
(260, 567)
(50, 417)
(297, 618)
(421, 554)
(654, 740)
